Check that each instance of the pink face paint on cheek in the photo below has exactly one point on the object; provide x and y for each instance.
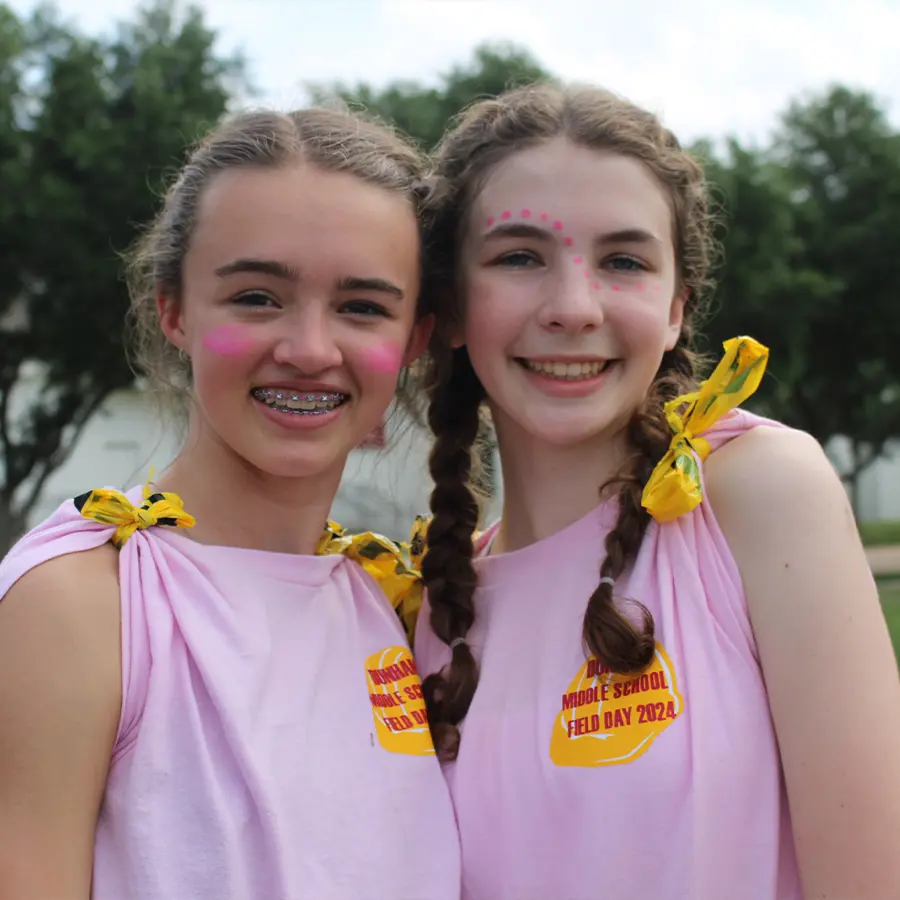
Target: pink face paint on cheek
(578, 260)
(491, 221)
(558, 225)
(569, 242)
(526, 213)
(544, 217)
(506, 214)
(229, 340)
(385, 358)
(596, 285)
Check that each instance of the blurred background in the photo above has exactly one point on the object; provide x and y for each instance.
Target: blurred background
(793, 107)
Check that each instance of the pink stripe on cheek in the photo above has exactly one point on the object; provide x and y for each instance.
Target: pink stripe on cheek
(386, 358)
(230, 340)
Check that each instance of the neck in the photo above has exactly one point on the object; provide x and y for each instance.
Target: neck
(237, 505)
(548, 487)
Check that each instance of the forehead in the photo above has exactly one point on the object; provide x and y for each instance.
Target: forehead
(297, 214)
(577, 186)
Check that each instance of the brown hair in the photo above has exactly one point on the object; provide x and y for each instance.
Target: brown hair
(332, 140)
(485, 135)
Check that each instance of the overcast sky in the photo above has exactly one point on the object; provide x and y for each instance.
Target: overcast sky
(710, 67)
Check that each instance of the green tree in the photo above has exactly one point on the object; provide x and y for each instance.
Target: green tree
(843, 159)
(810, 230)
(762, 285)
(90, 127)
(423, 111)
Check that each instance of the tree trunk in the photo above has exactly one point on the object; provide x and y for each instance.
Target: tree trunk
(852, 481)
(852, 478)
(12, 527)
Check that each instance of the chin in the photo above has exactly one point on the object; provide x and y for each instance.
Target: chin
(297, 465)
(569, 431)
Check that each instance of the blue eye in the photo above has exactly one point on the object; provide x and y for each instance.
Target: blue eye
(627, 264)
(518, 259)
(254, 298)
(364, 308)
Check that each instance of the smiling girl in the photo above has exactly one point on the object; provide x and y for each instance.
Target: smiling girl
(665, 673)
(198, 697)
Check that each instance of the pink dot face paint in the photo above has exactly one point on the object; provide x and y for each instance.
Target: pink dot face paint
(491, 221)
(506, 214)
(544, 217)
(230, 340)
(386, 358)
(578, 260)
(558, 225)
(596, 285)
(569, 242)
(526, 213)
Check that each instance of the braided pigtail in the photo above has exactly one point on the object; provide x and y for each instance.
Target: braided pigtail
(447, 568)
(608, 633)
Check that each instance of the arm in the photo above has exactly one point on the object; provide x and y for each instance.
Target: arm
(826, 657)
(60, 697)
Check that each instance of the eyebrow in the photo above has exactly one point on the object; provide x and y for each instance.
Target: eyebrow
(622, 236)
(260, 267)
(289, 273)
(352, 283)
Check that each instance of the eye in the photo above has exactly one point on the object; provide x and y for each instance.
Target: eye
(255, 298)
(365, 308)
(518, 259)
(623, 263)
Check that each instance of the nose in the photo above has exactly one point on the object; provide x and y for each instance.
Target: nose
(573, 306)
(307, 341)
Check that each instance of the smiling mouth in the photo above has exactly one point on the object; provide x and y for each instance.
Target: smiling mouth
(566, 371)
(298, 403)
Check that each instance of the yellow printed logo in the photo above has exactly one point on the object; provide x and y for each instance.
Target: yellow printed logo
(608, 719)
(397, 702)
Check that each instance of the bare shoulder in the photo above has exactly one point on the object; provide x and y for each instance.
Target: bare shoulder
(60, 700)
(816, 616)
(76, 594)
(766, 472)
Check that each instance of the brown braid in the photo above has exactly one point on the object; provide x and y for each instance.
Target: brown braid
(608, 633)
(487, 134)
(447, 566)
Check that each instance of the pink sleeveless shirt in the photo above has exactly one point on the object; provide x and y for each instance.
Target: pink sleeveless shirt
(257, 757)
(575, 784)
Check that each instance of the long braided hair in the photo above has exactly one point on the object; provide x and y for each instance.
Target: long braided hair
(486, 134)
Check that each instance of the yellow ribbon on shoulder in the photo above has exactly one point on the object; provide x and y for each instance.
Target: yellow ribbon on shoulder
(675, 488)
(388, 563)
(111, 507)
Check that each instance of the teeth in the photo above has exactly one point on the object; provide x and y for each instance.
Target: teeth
(573, 371)
(299, 404)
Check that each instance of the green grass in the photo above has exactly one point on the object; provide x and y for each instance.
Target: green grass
(880, 533)
(890, 602)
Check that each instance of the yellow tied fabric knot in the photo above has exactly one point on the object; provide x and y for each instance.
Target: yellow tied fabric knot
(388, 563)
(675, 488)
(113, 508)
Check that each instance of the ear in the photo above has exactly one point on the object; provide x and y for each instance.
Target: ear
(170, 319)
(676, 317)
(418, 339)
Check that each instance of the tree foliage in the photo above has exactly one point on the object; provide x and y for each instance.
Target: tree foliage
(89, 127)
